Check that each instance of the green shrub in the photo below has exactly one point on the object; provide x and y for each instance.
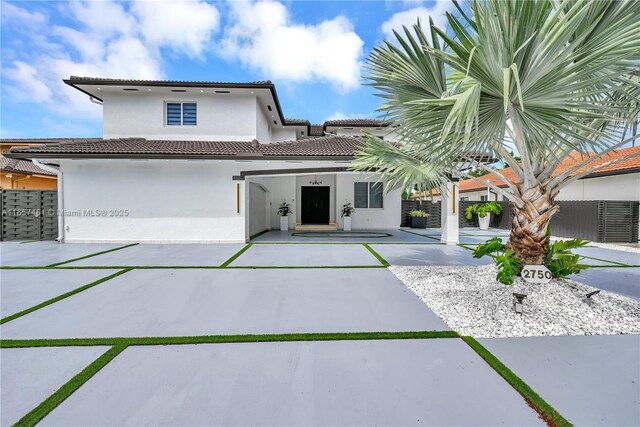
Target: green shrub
(559, 259)
(482, 209)
(418, 214)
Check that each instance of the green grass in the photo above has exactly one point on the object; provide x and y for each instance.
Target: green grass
(298, 267)
(236, 255)
(548, 414)
(418, 234)
(222, 339)
(258, 234)
(379, 257)
(63, 296)
(92, 255)
(59, 396)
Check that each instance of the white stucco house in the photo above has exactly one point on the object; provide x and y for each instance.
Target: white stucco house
(207, 162)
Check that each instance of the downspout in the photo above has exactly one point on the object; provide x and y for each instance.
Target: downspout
(58, 173)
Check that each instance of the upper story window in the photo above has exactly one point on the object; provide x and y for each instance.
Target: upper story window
(368, 195)
(182, 113)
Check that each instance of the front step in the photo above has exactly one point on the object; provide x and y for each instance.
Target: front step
(332, 226)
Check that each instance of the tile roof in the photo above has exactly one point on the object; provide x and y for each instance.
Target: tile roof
(22, 166)
(625, 166)
(95, 80)
(296, 122)
(316, 130)
(357, 123)
(328, 147)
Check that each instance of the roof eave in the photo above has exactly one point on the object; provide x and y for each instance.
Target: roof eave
(173, 157)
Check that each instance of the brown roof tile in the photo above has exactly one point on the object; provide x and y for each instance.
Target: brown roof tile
(357, 123)
(22, 166)
(331, 146)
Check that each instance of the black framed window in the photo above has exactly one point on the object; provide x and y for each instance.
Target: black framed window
(368, 195)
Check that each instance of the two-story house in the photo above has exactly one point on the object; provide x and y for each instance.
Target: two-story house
(207, 162)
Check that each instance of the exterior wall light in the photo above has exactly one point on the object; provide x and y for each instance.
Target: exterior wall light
(518, 302)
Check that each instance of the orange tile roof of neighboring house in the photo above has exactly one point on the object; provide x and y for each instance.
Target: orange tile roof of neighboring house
(625, 166)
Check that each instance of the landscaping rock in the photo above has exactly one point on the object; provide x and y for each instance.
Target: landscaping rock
(472, 302)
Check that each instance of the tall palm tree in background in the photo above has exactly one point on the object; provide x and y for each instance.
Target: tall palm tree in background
(542, 78)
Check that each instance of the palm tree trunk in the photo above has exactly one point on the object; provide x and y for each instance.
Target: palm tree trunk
(529, 224)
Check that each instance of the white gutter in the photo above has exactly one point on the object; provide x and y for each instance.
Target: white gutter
(95, 101)
(58, 173)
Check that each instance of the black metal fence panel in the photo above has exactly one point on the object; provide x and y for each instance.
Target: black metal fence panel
(29, 215)
(595, 220)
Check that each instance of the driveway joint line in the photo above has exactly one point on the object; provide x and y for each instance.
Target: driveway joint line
(236, 255)
(63, 296)
(533, 399)
(54, 400)
(226, 339)
(379, 257)
(418, 234)
(91, 255)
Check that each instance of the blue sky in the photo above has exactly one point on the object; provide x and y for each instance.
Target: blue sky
(313, 51)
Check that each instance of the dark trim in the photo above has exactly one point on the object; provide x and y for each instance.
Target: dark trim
(244, 174)
(35, 155)
(168, 83)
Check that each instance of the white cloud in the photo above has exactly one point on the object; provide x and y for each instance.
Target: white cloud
(339, 115)
(262, 36)
(27, 82)
(16, 15)
(108, 39)
(185, 26)
(409, 17)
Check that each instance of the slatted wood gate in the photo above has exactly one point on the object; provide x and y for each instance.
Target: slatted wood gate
(29, 214)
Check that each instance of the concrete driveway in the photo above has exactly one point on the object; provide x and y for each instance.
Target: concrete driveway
(102, 312)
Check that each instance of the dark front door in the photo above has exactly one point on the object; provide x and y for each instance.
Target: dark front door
(315, 205)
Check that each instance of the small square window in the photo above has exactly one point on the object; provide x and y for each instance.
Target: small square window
(368, 195)
(182, 113)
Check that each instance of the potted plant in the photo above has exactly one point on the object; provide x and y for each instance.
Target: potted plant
(484, 211)
(418, 219)
(347, 210)
(284, 210)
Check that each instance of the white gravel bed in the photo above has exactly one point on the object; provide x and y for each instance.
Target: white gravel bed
(621, 248)
(472, 302)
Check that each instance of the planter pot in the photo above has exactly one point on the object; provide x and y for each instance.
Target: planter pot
(284, 223)
(418, 222)
(347, 223)
(484, 222)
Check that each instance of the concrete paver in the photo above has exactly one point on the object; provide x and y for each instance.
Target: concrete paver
(41, 254)
(397, 382)
(624, 281)
(188, 302)
(22, 289)
(164, 255)
(591, 380)
(319, 255)
(428, 255)
(30, 375)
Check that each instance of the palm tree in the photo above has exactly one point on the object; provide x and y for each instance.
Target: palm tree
(545, 78)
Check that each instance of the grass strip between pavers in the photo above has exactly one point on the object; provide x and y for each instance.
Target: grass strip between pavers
(225, 339)
(258, 234)
(92, 255)
(379, 257)
(63, 296)
(59, 396)
(421, 235)
(236, 255)
(546, 411)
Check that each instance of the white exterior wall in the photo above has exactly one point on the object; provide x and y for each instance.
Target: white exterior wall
(367, 219)
(219, 117)
(167, 201)
(283, 134)
(614, 187)
(263, 131)
(281, 189)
